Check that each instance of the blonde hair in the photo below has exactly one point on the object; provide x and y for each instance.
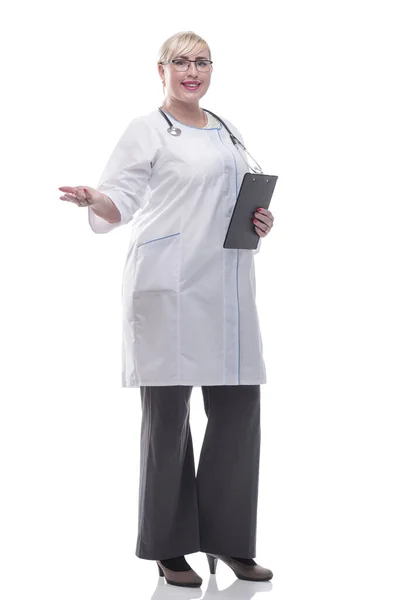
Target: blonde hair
(183, 42)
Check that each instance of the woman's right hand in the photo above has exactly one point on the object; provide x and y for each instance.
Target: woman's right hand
(81, 195)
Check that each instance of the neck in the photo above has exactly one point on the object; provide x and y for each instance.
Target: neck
(183, 110)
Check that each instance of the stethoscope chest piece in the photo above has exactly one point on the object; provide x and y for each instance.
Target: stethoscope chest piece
(174, 130)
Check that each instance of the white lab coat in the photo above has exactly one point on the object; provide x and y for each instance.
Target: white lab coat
(188, 304)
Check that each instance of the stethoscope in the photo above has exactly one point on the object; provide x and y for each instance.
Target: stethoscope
(175, 131)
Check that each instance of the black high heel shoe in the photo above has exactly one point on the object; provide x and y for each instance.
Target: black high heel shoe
(182, 578)
(212, 563)
(241, 570)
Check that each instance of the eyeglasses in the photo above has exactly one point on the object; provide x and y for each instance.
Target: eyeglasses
(182, 64)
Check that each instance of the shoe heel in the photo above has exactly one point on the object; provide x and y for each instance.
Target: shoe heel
(160, 571)
(212, 563)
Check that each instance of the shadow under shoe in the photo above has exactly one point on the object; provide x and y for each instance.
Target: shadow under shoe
(182, 578)
(241, 570)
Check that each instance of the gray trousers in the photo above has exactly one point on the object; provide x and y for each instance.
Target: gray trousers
(215, 511)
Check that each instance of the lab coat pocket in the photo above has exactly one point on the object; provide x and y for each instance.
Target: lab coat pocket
(157, 264)
(155, 304)
(156, 335)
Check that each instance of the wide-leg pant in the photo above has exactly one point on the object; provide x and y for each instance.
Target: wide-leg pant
(216, 511)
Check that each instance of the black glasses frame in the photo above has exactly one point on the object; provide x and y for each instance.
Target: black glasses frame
(167, 62)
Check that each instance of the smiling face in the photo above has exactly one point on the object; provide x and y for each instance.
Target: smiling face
(173, 80)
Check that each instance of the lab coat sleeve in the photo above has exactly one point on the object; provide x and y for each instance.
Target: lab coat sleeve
(126, 174)
(236, 132)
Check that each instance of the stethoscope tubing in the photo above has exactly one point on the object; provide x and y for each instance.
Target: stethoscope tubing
(175, 131)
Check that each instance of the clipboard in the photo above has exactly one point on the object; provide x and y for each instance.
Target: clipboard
(255, 192)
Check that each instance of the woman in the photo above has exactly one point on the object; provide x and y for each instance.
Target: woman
(189, 319)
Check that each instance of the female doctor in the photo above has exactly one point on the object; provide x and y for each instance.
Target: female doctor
(189, 319)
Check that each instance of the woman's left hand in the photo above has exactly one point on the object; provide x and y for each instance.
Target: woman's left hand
(264, 221)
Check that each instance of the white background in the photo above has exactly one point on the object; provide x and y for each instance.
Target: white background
(312, 86)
